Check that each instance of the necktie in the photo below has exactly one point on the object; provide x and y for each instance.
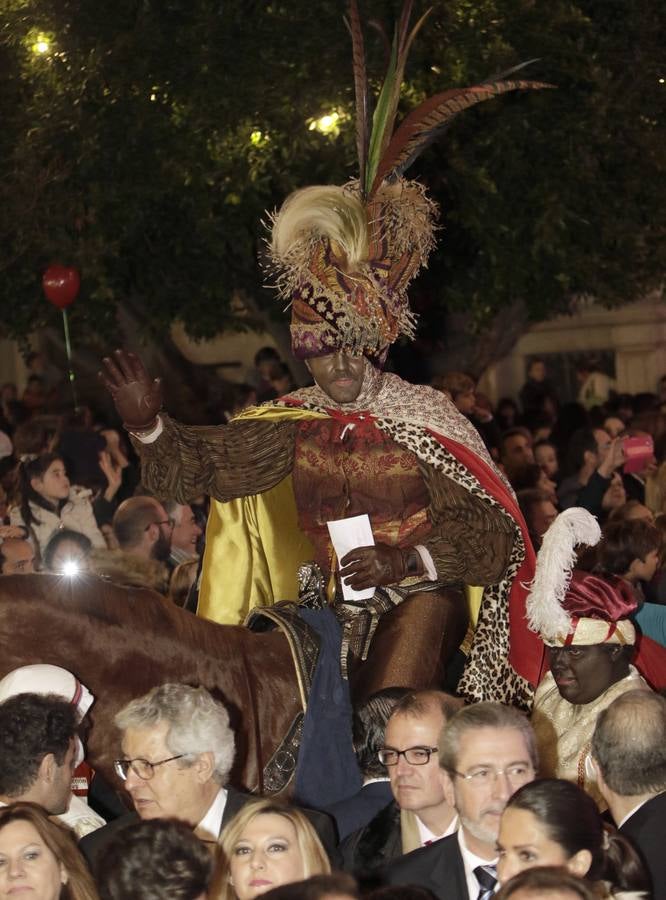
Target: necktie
(487, 878)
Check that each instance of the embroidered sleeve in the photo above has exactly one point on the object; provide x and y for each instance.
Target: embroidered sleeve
(471, 540)
(224, 461)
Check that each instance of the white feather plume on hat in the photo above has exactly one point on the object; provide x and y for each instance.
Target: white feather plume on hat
(555, 562)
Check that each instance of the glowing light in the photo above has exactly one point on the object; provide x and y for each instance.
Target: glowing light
(70, 567)
(256, 138)
(662, 81)
(153, 97)
(328, 124)
(41, 45)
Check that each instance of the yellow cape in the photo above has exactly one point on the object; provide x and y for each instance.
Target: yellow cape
(254, 545)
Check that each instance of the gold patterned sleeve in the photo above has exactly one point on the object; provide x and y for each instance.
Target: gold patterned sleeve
(470, 541)
(225, 461)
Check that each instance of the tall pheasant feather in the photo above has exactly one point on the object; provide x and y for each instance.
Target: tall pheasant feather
(360, 89)
(383, 119)
(425, 123)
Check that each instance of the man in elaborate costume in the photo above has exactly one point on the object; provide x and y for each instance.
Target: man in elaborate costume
(584, 619)
(360, 441)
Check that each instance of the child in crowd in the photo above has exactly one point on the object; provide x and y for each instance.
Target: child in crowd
(630, 548)
(46, 502)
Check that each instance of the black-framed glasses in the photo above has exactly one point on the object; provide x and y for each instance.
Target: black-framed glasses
(141, 767)
(486, 775)
(171, 522)
(415, 756)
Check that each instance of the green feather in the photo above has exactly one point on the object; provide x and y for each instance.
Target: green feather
(383, 120)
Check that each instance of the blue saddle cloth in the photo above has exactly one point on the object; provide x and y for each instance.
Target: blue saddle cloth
(327, 770)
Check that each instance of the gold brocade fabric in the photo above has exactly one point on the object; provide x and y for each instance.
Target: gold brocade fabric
(564, 731)
(344, 469)
(254, 547)
(254, 542)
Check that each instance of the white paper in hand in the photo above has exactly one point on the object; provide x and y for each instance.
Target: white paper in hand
(346, 535)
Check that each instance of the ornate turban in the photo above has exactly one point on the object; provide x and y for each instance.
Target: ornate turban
(344, 256)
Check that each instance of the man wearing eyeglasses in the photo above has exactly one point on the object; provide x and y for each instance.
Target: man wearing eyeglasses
(143, 530)
(486, 752)
(177, 752)
(420, 812)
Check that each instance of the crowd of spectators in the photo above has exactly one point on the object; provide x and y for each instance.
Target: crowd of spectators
(454, 802)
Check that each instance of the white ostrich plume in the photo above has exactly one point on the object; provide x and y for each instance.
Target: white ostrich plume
(321, 211)
(555, 562)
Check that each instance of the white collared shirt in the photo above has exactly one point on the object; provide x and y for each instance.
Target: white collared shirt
(210, 826)
(428, 837)
(470, 862)
(79, 817)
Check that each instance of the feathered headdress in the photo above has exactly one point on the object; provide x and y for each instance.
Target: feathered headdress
(344, 256)
(571, 607)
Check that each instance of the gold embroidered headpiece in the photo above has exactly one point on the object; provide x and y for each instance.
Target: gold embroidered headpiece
(344, 256)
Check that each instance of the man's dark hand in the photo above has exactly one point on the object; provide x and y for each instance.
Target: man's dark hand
(137, 397)
(367, 567)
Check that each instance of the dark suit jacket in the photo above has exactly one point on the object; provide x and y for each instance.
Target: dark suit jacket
(438, 867)
(375, 845)
(93, 844)
(359, 809)
(646, 830)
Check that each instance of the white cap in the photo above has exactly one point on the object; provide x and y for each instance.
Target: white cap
(46, 679)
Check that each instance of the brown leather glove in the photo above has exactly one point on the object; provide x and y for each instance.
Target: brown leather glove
(381, 564)
(136, 397)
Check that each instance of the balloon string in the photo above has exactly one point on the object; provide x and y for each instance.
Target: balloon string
(68, 349)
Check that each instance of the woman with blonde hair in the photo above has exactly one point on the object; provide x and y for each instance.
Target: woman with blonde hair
(265, 845)
(40, 857)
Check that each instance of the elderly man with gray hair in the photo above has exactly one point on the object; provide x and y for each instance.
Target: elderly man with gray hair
(629, 757)
(177, 752)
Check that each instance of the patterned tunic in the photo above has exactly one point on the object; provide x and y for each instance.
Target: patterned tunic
(464, 513)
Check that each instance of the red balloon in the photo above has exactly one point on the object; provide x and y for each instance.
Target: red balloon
(61, 285)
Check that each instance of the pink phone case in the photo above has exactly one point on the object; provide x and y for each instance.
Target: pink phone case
(638, 452)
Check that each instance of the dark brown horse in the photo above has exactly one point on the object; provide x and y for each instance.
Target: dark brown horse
(120, 642)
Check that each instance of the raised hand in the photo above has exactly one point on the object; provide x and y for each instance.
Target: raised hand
(137, 397)
(613, 459)
(113, 474)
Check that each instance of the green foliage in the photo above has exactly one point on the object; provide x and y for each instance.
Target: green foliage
(146, 145)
